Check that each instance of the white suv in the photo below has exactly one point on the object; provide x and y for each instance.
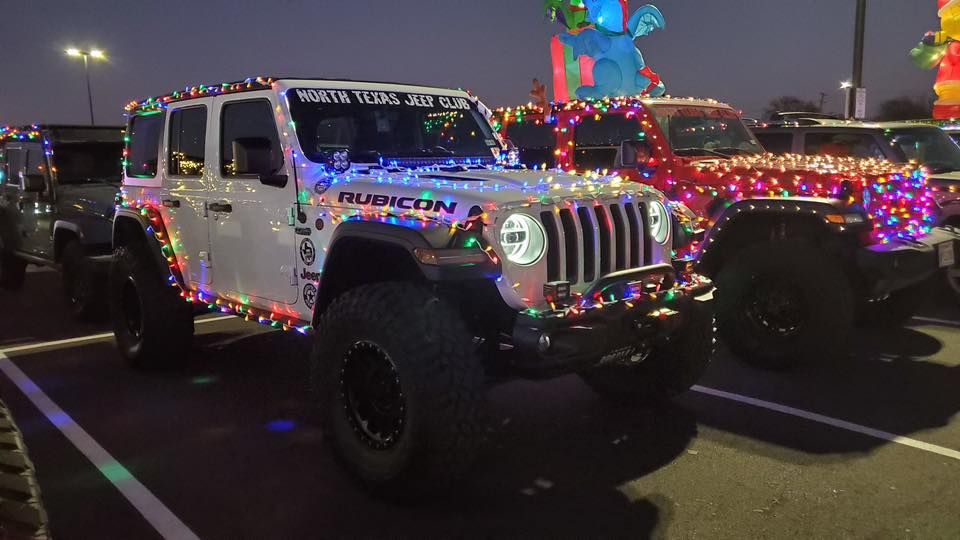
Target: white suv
(384, 219)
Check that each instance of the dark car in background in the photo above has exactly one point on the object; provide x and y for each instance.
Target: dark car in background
(924, 144)
(58, 190)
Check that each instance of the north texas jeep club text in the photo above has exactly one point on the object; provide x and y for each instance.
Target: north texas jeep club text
(365, 97)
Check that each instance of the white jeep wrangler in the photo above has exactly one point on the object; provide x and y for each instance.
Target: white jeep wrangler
(383, 219)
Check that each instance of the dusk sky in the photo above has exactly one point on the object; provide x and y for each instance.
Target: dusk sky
(745, 52)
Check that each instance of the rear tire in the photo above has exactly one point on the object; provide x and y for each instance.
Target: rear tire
(782, 303)
(13, 271)
(82, 289)
(400, 388)
(669, 371)
(21, 509)
(152, 324)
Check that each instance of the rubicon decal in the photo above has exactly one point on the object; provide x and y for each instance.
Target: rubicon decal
(404, 203)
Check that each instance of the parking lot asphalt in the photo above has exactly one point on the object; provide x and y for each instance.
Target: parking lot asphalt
(228, 447)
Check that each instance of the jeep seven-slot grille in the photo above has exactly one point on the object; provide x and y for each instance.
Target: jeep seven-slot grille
(589, 243)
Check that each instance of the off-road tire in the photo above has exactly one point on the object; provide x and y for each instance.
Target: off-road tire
(21, 509)
(13, 271)
(671, 369)
(439, 375)
(165, 320)
(83, 288)
(820, 283)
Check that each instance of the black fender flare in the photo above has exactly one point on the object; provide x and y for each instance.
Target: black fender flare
(127, 219)
(809, 209)
(434, 237)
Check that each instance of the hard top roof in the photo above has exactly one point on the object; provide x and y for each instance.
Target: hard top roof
(252, 84)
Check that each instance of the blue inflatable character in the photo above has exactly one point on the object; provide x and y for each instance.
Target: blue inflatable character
(619, 69)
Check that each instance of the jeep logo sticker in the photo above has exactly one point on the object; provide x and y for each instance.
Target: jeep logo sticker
(308, 252)
(404, 203)
(309, 295)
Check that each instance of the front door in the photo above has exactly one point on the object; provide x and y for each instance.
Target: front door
(251, 234)
(32, 213)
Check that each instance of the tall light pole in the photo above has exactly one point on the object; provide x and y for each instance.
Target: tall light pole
(858, 37)
(95, 54)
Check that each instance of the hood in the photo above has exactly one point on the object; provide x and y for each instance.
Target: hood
(91, 199)
(455, 191)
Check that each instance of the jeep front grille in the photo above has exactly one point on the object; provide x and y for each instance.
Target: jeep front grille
(588, 244)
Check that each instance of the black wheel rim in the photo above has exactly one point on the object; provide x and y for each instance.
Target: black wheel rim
(372, 397)
(132, 311)
(777, 307)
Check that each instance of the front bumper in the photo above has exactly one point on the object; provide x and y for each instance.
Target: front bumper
(898, 265)
(591, 332)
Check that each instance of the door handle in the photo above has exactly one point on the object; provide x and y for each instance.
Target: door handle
(171, 203)
(224, 207)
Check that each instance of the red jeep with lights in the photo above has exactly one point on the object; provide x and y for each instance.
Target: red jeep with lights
(799, 246)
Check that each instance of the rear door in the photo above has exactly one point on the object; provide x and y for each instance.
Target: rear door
(188, 175)
(251, 230)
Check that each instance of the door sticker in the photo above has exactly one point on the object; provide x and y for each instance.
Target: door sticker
(308, 252)
(310, 295)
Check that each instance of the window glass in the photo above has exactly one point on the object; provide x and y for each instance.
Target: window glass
(925, 146)
(144, 146)
(535, 142)
(776, 143)
(598, 140)
(87, 162)
(246, 120)
(705, 131)
(14, 166)
(188, 131)
(3, 165)
(842, 144)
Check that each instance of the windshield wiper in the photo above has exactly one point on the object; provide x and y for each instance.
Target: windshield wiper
(701, 152)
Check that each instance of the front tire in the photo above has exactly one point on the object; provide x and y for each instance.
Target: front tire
(13, 271)
(152, 324)
(669, 371)
(81, 288)
(782, 303)
(400, 388)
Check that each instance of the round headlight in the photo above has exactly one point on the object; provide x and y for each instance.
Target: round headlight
(522, 239)
(659, 222)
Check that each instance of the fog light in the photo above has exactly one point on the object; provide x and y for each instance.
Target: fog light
(543, 345)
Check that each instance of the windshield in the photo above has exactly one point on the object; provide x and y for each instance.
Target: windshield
(705, 131)
(78, 163)
(375, 125)
(931, 147)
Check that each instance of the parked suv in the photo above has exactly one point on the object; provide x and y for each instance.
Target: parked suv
(376, 216)
(797, 246)
(918, 143)
(58, 189)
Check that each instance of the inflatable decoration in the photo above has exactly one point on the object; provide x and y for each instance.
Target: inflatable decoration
(596, 57)
(943, 49)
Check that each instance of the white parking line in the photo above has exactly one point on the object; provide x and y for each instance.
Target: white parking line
(87, 339)
(841, 424)
(154, 511)
(943, 322)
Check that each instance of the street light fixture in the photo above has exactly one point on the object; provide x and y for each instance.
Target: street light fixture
(847, 87)
(96, 54)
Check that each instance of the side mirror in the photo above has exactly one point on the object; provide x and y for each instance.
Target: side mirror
(33, 183)
(633, 155)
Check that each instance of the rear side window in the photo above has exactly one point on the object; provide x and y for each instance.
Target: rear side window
(144, 146)
(188, 132)
(776, 143)
(535, 142)
(598, 140)
(840, 144)
(245, 122)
